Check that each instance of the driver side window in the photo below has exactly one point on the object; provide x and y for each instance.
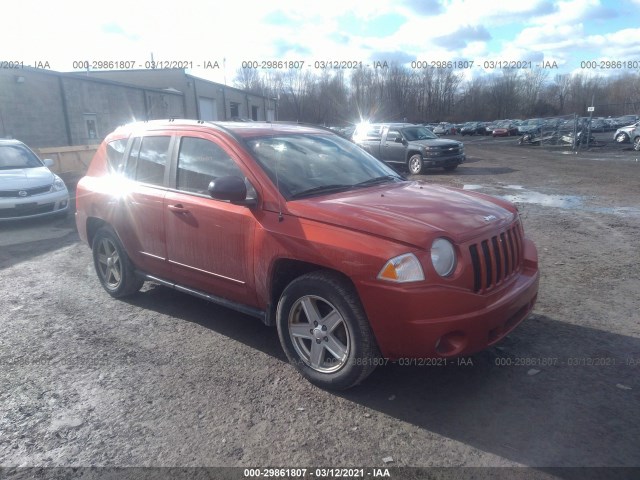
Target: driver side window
(200, 161)
(392, 135)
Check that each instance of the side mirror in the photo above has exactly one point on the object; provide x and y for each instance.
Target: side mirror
(48, 162)
(230, 188)
(398, 139)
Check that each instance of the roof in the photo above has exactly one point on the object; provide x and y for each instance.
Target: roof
(240, 129)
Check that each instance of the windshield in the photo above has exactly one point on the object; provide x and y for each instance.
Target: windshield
(417, 133)
(17, 156)
(315, 164)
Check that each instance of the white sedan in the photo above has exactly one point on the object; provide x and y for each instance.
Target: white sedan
(27, 187)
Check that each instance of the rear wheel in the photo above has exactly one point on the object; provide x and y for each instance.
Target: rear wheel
(324, 331)
(415, 164)
(636, 144)
(114, 269)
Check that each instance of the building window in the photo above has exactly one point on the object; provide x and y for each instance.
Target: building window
(254, 113)
(235, 110)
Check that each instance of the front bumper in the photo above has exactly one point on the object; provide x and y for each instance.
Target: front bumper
(441, 321)
(436, 162)
(51, 203)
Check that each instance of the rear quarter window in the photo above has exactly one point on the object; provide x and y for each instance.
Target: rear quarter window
(115, 155)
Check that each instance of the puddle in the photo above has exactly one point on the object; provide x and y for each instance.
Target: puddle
(617, 210)
(550, 200)
(558, 201)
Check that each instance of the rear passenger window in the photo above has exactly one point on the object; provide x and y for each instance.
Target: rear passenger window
(201, 161)
(115, 154)
(148, 158)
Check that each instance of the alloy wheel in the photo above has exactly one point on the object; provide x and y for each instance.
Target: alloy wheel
(319, 334)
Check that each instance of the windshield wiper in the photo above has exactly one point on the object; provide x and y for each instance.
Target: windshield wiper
(321, 189)
(377, 180)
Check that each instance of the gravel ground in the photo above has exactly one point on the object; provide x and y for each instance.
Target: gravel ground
(166, 380)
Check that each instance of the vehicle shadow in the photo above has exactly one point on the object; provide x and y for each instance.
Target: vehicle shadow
(21, 240)
(552, 394)
(464, 169)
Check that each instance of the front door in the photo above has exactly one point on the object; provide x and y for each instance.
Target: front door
(209, 242)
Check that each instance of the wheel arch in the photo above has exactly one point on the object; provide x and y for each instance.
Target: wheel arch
(93, 225)
(283, 272)
(411, 153)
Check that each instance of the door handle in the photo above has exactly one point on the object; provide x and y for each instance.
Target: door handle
(178, 209)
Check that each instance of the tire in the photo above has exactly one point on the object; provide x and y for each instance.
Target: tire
(450, 168)
(636, 144)
(115, 270)
(622, 138)
(324, 331)
(415, 165)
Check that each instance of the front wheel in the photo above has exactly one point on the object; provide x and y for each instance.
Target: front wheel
(622, 137)
(324, 331)
(114, 269)
(636, 144)
(415, 164)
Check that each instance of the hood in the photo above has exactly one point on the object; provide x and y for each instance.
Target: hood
(410, 212)
(21, 178)
(436, 142)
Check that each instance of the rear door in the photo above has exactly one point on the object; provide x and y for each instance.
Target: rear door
(209, 242)
(140, 222)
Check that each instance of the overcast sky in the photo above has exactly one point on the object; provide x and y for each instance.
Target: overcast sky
(229, 32)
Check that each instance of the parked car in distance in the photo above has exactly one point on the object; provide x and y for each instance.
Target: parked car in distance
(28, 189)
(635, 136)
(504, 129)
(469, 128)
(532, 125)
(623, 134)
(445, 128)
(294, 225)
(405, 145)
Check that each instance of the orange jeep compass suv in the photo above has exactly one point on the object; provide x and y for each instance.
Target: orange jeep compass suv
(306, 231)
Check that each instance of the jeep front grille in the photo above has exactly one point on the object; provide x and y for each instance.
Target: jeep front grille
(496, 259)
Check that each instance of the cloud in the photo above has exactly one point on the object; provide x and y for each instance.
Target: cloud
(424, 7)
(398, 57)
(283, 47)
(461, 37)
(378, 26)
(601, 13)
(278, 18)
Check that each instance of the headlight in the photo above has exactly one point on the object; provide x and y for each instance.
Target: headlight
(401, 269)
(58, 184)
(443, 256)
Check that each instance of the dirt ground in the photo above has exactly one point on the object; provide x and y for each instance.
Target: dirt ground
(164, 379)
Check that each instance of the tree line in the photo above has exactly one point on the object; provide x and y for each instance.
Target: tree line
(397, 93)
